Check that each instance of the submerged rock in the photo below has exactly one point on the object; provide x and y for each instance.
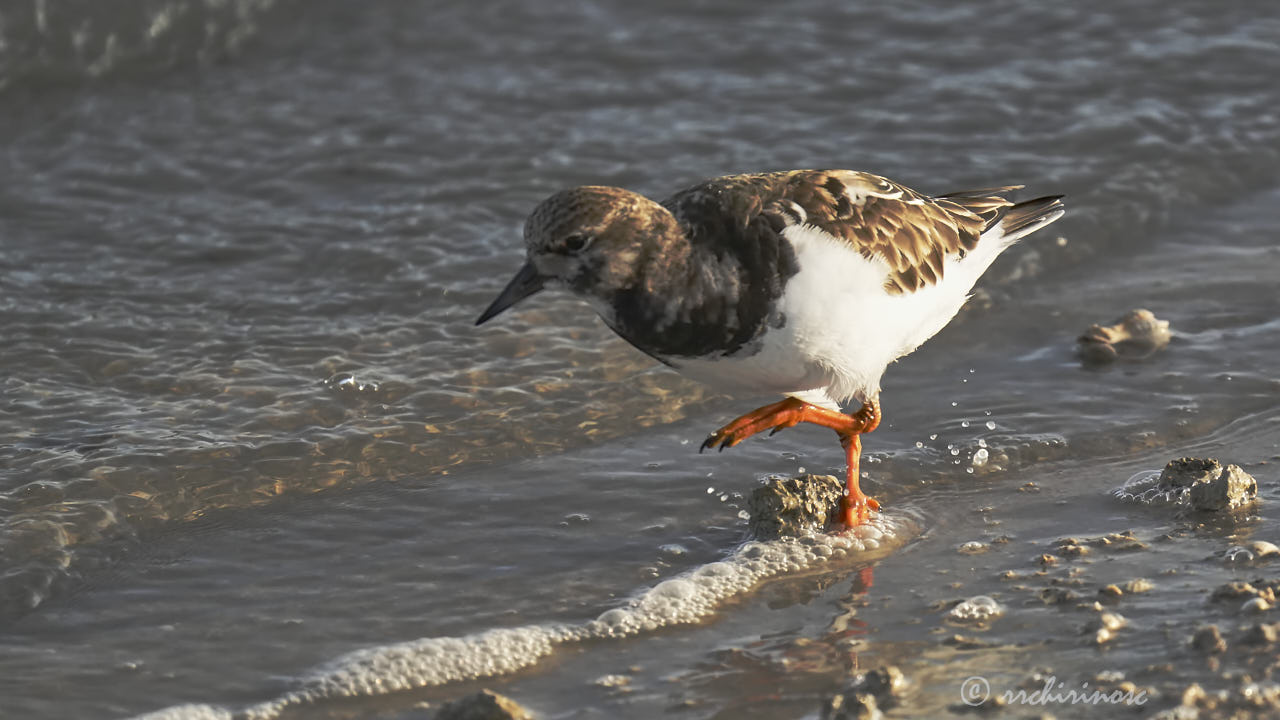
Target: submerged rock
(1135, 336)
(484, 705)
(792, 506)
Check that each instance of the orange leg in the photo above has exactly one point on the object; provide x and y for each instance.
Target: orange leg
(856, 507)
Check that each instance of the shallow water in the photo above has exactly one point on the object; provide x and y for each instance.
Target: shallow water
(249, 428)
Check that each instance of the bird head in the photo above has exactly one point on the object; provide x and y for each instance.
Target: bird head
(586, 239)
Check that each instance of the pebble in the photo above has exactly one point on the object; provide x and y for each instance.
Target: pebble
(1138, 585)
(1208, 641)
(1263, 549)
(1255, 605)
(1134, 336)
(484, 705)
(1261, 634)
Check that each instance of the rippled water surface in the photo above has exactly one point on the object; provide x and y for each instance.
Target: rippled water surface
(247, 427)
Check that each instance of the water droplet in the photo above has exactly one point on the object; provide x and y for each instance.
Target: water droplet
(933, 436)
(991, 424)
(744, 515)
(954, 403)
(711, 491)
(919, 444)
(800, 469)
(964, 423)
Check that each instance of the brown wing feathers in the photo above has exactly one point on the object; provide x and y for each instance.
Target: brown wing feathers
(914, 234)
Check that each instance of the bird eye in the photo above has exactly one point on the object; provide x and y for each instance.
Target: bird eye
(574, 243)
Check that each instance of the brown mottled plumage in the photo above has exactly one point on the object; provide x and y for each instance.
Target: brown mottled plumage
(879, 218)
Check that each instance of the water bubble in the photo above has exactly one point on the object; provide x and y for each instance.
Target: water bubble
(711, 491)
(964, 423)
(1237, 555)
(954, 403)
(976, 609)
(955, 451)
(991, 424)
(980, 457)
(919, 444)
(800, 469)
(933, 436)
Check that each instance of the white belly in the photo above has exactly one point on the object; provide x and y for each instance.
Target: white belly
(841, 328)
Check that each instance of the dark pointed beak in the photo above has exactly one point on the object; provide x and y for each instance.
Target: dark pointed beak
(525, 283)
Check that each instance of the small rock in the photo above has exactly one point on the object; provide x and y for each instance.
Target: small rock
(1138, 585)
(1112, 621)
(1261, 634)
(613, 681)
(967, 642)
(1071, 547)
(851, 706)
(1187, 471)
(1208, 640)
(1233, 590)
(1105, 627)
(1058, 596)
(1231, 489)
(1135, 336)
(484, 705)
(1255, 605)
(1263, 549)
(885, 684)
(792, 506)
(1118, 542)
(1110, 593)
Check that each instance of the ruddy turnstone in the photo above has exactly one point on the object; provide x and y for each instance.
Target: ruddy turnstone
(805, 283)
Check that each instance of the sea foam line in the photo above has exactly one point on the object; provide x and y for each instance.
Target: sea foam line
(687, 598)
